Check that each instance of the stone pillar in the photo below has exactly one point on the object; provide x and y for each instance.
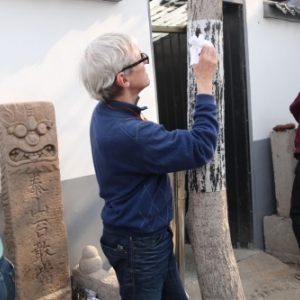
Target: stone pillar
(280, 240)
(284, 163)
(32, 201)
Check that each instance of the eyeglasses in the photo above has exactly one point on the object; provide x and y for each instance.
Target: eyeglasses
(144, 57)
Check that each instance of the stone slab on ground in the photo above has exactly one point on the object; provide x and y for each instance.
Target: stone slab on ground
(280, 240)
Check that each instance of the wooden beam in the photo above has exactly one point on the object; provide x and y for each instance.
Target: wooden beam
(168, 29)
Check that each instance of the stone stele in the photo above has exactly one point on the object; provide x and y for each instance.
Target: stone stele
(32, 201)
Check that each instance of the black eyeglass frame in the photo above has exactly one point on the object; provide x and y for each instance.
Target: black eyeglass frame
(144, 57)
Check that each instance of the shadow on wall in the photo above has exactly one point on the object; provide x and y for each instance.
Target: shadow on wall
(82, 209)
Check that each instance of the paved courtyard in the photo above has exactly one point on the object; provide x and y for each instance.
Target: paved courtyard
(263, 276)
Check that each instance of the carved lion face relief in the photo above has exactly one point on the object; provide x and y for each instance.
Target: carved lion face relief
(30, 135)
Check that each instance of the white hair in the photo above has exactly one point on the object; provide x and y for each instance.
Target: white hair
(103, 59)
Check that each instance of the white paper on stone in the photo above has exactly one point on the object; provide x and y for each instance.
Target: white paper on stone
(196, 45)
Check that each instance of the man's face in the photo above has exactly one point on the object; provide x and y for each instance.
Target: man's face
(138, 78)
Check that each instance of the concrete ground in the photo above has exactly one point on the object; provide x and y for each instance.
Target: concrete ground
(263, 276)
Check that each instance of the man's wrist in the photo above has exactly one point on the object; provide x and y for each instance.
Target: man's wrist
(204, 88)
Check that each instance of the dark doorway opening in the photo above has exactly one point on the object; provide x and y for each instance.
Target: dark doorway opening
(237, 128)
(170, 54)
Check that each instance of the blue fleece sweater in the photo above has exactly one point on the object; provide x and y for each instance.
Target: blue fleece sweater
(132, 159)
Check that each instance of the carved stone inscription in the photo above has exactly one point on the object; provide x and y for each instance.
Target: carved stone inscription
(32, 202)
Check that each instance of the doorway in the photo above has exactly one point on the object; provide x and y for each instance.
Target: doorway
(170, 54)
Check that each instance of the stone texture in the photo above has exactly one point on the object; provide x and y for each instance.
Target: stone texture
(32, 200)
(280, 240)
(63, 294)
(88, 274)
(284, 163)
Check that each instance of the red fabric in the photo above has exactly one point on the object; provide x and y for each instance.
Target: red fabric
(295, 110)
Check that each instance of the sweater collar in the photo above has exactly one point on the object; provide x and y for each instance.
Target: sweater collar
(122, 108)
(124, 105)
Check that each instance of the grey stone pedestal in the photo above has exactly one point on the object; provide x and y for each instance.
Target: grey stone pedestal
(280, 240)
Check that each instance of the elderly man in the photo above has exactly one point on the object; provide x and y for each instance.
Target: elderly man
(132, 158)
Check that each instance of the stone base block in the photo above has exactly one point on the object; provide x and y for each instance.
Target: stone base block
(280, 240)
(102, 282)
(89, 274)
(63, 294)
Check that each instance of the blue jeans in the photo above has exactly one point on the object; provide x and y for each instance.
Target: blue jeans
(145, 266)
(7, 279)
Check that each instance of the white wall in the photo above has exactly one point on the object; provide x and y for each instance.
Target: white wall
(273, 68)
(274, 60)
(41, 45)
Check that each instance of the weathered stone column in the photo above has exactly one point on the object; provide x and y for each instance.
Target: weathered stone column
(32, 201)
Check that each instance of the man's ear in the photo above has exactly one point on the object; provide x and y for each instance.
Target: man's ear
(122, 81)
